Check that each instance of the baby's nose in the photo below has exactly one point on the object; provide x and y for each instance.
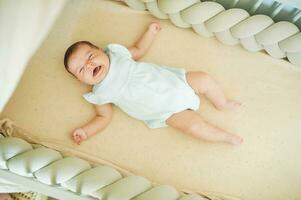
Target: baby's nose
(91, 64)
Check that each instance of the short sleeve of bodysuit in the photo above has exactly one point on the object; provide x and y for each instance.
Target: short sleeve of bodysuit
(118, 50)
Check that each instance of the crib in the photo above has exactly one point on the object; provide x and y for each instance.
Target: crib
(252, 47)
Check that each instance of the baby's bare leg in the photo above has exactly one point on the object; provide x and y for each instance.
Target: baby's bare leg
(5, 197)
(202, 83)
(191, 123)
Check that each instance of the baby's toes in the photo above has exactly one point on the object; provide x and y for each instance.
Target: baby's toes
(231, 105)
(236, 140)
(236, 103)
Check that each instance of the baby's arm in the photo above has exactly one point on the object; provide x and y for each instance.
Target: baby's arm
(98, 123)
(143, 44)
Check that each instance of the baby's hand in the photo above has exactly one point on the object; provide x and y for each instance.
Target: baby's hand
(79, 135)
(154, 27)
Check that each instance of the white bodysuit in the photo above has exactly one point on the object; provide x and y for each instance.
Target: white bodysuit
(145, 91)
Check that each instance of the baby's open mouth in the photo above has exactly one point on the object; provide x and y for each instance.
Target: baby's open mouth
(96, 70)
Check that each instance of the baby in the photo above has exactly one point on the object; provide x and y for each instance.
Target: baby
(158, 95)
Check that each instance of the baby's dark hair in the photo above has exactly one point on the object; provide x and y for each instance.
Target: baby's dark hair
(73, 48)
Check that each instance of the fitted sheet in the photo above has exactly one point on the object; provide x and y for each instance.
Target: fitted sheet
(48, 104)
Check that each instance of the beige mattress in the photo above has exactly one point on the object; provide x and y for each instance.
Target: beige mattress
(48, 105)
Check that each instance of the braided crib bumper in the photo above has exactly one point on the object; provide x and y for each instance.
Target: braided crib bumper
(41, 168)
(231, 27)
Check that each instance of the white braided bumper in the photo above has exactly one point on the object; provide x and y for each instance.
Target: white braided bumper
(46, 171)
(231, 27)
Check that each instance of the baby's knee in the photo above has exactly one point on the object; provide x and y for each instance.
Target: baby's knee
(192, 126)
(198, 74)
(199, 77)
(204, 77)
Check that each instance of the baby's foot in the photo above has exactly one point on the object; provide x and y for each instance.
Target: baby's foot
(229, 105)
(234, 140)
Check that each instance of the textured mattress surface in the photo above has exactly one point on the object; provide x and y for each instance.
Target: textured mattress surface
(48, 105)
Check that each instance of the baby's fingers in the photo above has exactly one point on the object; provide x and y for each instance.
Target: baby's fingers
(159, 26)
(77, 138)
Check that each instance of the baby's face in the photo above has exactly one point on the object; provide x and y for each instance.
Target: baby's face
(89, 65)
